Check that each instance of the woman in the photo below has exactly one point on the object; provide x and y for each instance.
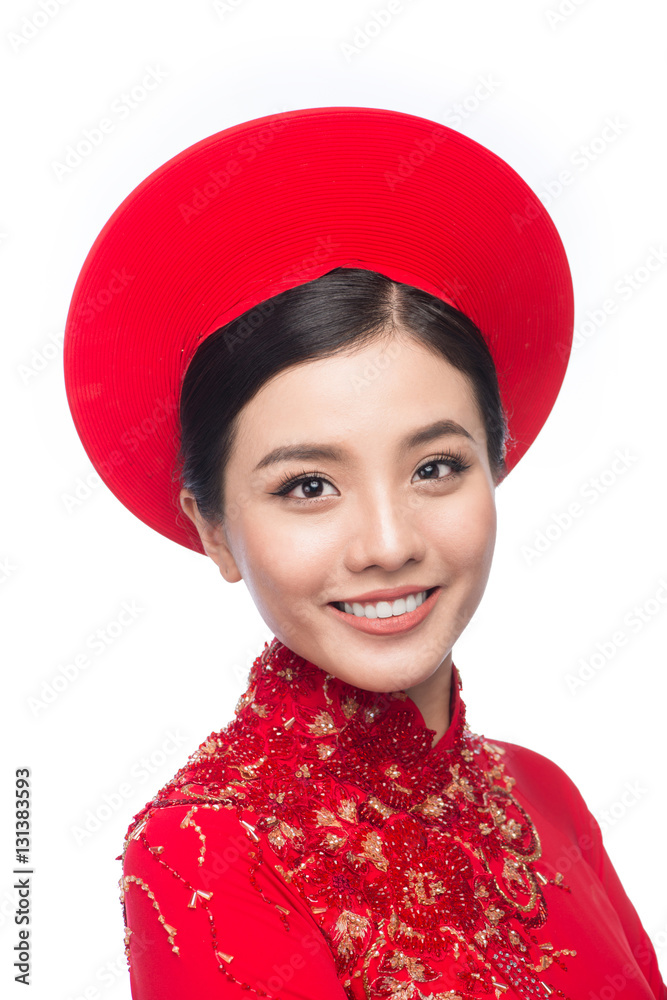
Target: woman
(331, 334)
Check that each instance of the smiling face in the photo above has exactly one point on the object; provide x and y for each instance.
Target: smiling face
(376, 511)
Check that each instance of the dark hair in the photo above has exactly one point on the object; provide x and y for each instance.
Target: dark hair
(342, 310)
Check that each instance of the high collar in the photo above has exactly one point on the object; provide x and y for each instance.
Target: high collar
(350, 719)
(371, 824)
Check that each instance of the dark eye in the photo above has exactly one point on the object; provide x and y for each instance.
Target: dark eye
(455, 463)
(433, 467)
(308, 481)
(311, 487)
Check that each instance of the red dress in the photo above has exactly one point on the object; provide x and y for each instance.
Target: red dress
(320, 848)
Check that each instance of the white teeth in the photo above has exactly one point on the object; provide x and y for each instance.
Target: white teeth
(384, 609)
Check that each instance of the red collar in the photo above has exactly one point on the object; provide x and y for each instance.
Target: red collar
(363, 729)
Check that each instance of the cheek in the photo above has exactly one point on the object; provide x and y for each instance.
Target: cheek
(280, 560)
(466, 533)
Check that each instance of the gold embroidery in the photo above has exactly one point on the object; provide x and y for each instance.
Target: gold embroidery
(349, 706)
(381, 807)
(189, 821)
(324, 817)
(372, 848)
(171, 931)
(349, 927)
(323, 725)
(262, 710)
(417, 886)
(440, 863)
(432, 806)
(347, 810)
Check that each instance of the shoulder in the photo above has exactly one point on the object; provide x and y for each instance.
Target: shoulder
(201, 808)
(522, 762)
(544, 787)
(211, 776)
(193, 841)
(198, 895)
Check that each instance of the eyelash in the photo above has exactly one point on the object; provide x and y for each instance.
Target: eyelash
(454, 459)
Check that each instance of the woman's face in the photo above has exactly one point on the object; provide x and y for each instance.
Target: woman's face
(382, 512)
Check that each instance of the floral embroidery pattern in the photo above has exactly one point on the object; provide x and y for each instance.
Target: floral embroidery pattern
(408, 855)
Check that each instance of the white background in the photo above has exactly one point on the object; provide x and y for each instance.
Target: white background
(537, 88)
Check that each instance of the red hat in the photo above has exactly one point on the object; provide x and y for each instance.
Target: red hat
(280, 200)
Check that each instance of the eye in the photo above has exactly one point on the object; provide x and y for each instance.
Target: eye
(454, 461)
(308, 481)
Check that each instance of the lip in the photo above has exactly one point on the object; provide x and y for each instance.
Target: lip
(392, 625)
(389, 594)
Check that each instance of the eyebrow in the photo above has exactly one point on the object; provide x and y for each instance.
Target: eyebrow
(307, 450)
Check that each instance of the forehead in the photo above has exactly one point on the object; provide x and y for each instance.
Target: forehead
(383, 390)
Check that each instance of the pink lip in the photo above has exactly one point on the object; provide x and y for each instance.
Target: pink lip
(391, 625)
(389, 594)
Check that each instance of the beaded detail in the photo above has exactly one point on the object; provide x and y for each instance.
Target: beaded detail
(408, 855)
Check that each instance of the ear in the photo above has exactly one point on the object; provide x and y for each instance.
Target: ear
(213, 538)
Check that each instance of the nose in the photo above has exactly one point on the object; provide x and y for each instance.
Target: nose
(383, 531)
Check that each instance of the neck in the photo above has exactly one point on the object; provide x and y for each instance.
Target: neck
(283, 681)
(432, 698)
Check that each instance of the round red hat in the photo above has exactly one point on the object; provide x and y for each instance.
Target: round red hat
(280, 200)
